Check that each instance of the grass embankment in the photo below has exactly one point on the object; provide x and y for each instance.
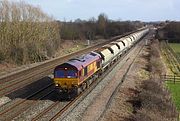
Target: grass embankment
(175, 89)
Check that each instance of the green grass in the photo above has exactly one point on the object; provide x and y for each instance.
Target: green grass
(175, 47)
(175, 91)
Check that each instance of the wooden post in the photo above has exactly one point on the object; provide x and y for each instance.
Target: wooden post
(174, 79)
(88, 42)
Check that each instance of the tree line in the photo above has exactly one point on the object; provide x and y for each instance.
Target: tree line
(171, 32)
(96, 29)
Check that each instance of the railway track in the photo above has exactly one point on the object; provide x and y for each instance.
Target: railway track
(7, 88)
(8, 112)
(12, 82)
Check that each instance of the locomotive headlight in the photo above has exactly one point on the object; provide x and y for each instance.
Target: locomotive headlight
(74, 83)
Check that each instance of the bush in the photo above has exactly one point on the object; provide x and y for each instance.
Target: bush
(2, 57)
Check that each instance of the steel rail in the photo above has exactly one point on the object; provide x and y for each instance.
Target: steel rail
(24, 100)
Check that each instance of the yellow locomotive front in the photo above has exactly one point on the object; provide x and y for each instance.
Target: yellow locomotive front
(66, 77)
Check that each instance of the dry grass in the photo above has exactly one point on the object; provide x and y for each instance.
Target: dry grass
(143, 74)
(156, 102)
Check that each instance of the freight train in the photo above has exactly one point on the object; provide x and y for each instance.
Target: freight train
(75, 75)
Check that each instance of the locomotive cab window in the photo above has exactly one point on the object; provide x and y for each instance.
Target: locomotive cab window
(59, 74)
(80, 73)
(71, 74)
(85, 71)
(67, 73)
(98, 64)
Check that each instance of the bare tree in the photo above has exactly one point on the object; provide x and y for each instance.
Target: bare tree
(102, 23)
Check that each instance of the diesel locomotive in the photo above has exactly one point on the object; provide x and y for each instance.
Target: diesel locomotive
(77, 74)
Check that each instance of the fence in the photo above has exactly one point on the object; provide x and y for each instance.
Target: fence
(171, 78)
(172, 58)
(175, 56)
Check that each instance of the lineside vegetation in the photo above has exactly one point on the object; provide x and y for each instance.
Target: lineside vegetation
(27, 34)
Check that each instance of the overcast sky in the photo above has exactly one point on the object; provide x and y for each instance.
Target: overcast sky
(144, 10)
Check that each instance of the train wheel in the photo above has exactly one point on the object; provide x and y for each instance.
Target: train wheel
(79, 90)
(84, 85)
(87, 84)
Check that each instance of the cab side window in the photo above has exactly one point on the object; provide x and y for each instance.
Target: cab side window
(80, 72)
(85, 71)
(98, 64)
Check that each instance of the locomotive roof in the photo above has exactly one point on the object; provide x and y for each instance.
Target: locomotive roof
(109, 45)
(84, 60)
